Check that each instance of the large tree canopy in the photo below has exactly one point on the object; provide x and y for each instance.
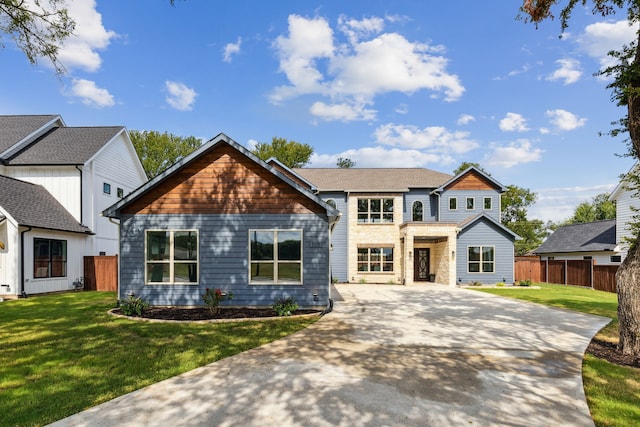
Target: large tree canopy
(38, 27)
(158, 151)
(290, 153)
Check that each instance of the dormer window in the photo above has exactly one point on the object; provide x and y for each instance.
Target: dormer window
(417, 211)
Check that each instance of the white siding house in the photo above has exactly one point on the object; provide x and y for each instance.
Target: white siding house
(626, 205)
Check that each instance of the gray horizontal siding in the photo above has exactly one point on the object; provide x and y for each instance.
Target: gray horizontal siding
(462, 212)
(485, 233)
(224, 259)
(339, 237)
(429, 205)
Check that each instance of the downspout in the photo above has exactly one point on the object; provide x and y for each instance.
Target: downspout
(81, 193)
(113, 221)
(22, 291)
(332, 224)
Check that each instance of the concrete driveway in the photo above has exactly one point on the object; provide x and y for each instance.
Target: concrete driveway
(386, 356)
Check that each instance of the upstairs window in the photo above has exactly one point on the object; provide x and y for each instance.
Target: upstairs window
(487, 203)
(120, 193)
(376, 211)
(106, 188)
(453, 203)
(418, 211)
(470, 203)
(332, 203)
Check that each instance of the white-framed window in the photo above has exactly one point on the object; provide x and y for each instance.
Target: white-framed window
(171, 257)
(487, 203)
(49, 258)
(106, 188)
(375, 260)
(120, 192)
(375, 211)
(275, 257)
(417, 213)
(615, 258)
(471, 201)
(453, 203)
(481, 259)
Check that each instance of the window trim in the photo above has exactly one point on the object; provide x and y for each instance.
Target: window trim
(615, 258)
(473, 203)
(120, 192)
(381, 263)
(381, 214)
(455, 203)
(64, 261)
(275, 260)
(413, 210)
(484, 203)
(106, 188)
(481, 262)
(171, 261)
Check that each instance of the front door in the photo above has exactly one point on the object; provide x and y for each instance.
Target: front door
(421, 265)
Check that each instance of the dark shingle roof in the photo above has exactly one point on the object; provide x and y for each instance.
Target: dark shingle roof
(65, 146)
(378, 180)
(33, 206)
(13, 129)
(584, 237)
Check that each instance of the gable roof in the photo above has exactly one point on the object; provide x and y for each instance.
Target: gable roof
(471, 169)
(468, 222)
(272, 161)
(372, 179)
(585, 237)
(65, 146)
(15, 129)
(31, 205)
(114, 210)
(624, 183)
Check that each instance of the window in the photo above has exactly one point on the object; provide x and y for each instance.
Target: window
(470, 203)
(481, 259)
(487, 203)
(374, 260)
(375, 210)
(275, 256)
(120, 193)
(615, 258)
(418, 211)
(171, 256)
(106, 188)
(332, 203)
(453, 203)
(587, 257)
(49, 258)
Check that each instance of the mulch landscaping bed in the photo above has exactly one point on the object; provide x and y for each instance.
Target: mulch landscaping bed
(609, 352)
(174, 313)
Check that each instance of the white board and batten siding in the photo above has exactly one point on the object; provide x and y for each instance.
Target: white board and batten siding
(626, 201)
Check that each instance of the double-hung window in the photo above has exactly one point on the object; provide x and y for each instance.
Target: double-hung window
(481, 259)
(49, 258)
(372, 260)
(375, 211)
(275, 256)
(171, 256)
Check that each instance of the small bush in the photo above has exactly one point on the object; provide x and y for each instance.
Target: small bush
(212, 298)
(285, 306)
(500, 284)
(524, 283)
(363, 281)
(133, 306)
(475, 283)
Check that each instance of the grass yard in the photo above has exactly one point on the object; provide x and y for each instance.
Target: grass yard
(61, 354)
(613, 392)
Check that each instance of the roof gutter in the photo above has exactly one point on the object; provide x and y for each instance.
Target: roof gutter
(22, 290)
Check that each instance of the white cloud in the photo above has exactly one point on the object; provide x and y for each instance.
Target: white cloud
(568, 71)
(564, 120)
(558, 204)
(366, 65)
(383, 157)
(342, 112)
(602, 37)
(181, 97)
(465, 119)
(517, 152)
(90, 94)
(437, 139)
(231, 49)
(89, 36)
(513, 122)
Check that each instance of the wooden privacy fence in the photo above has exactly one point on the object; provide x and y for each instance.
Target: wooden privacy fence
(567, 272)
(101, 273)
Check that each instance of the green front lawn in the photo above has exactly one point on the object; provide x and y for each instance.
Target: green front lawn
(61, 354)
(613, 392)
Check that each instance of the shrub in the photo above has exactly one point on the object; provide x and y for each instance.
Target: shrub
(285, 306)
(212, 298)
(133, 306)
(363, 281)
(524, 283)
(500, 284)
(475, 283)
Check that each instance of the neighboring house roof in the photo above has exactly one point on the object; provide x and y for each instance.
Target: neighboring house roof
(14, 129)
(372, 179)
(113, 211)
(272, 161)
(31, 205)
(475, 218)
(65, 146)
(488, 178)
(585, 237)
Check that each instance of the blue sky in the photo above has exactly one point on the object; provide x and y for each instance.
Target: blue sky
(386, 84)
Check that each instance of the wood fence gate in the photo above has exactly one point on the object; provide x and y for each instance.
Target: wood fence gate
(101, 273)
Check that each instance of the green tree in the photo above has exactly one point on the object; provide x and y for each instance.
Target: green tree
(290, 153)
(625, 87)
(157, 151)
(345, 163)
(38, 28)
(598, 209)
(515, 204)
(466, 165)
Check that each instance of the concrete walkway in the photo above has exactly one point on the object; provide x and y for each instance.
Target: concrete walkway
(386, 356)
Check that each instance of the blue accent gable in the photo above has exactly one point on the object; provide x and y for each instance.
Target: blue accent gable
(339, 237)
(485, 232)
(462, 213)
(224, 259)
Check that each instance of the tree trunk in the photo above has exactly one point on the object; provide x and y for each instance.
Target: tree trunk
(628, 284)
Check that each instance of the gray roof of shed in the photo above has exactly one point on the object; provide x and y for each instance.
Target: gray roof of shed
(372, 179)
(32, 205)
(65, 146)
(585, 237)
(14, 129)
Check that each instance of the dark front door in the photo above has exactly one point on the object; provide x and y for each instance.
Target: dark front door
(421, 265)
